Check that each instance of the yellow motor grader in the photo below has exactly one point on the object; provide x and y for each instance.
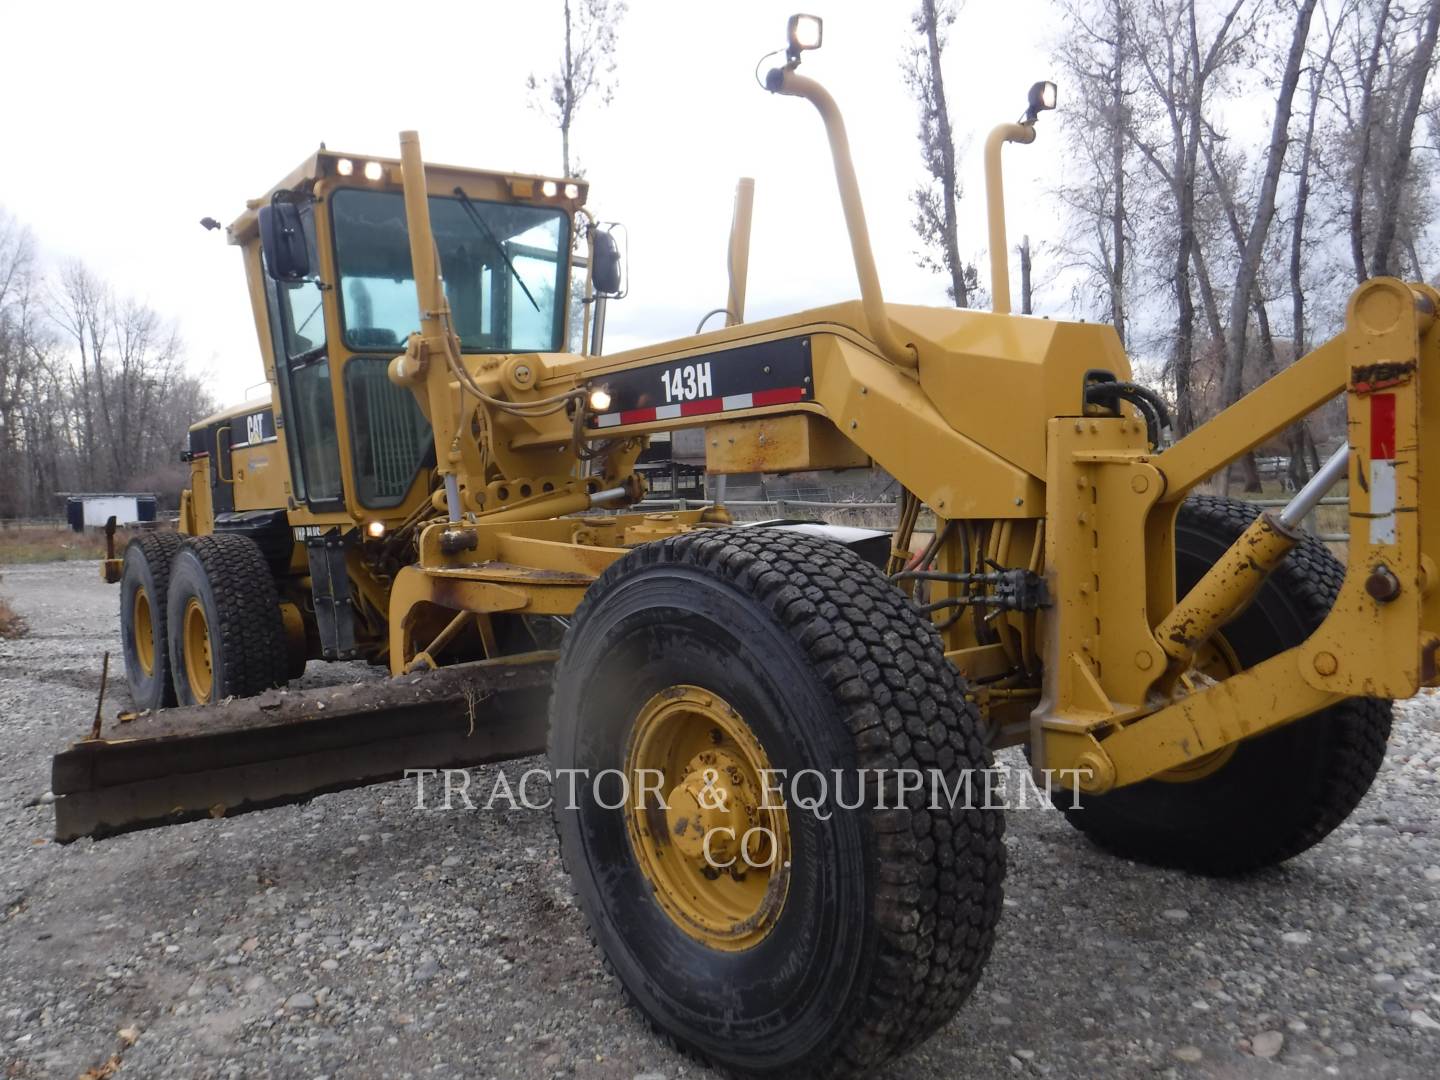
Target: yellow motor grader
(440, 486)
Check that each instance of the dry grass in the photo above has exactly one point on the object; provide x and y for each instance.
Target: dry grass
(11, 625)
(54, 543)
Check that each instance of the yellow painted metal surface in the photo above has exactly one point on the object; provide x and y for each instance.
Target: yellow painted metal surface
(998, 378)
(1367, 645)
(779, 444)
(715, 844)
(144, 630)
(262, 477)
(1100, 652)
(1226, 588)
(199, 660)
(995, 210)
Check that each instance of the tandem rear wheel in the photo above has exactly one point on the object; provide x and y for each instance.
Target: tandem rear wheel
(144, 589)
(1264, 800)
(226, 637)
(760, 936)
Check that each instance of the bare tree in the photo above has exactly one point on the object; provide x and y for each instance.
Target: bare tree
(1396, 165)
(586, 70)
(1180, 62)
(82, 308)
(128, 361)
(1251, 240)
(936, 199)
(17, 276)
(1385, 69)
(1099, 77)
(93, 393)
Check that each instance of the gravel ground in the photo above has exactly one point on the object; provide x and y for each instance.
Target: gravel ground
(358, 937)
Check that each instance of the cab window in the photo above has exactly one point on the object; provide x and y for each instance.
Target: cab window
(302, 368)
(504, 266)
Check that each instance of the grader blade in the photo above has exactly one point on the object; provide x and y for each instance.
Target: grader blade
(280, 748)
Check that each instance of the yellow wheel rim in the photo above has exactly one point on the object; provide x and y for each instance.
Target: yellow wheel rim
(716, 851)
(144, 631)
(1216, 660)
(199, 664)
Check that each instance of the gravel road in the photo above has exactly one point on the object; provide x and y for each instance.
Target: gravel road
(359, 937)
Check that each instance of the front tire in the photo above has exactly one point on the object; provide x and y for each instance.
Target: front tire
(1278, 794)
(227, 637)
(797, 655)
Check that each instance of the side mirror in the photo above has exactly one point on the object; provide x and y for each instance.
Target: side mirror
(606, 272)
(283, 240)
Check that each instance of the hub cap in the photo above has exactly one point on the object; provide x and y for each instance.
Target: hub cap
(717, 852)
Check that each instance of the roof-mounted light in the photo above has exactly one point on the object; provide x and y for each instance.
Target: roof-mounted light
(374, 170)
(344, 166)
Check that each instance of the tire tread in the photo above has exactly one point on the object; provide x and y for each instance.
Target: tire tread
(250, 635)
(937, 878)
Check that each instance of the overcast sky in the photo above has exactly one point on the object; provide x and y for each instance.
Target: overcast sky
(125, 123)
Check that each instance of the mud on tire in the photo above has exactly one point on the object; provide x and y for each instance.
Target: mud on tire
(891, 913)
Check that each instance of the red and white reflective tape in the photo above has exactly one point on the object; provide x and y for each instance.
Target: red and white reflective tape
(785, 395)
(1382, 468)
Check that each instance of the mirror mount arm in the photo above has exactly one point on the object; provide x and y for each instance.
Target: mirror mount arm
(788, 82)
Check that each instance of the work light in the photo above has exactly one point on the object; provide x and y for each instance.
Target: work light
(804, 32)
(1042, 98)
(599, 399)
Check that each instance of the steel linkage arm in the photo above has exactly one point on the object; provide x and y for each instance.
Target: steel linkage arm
(1382, 635)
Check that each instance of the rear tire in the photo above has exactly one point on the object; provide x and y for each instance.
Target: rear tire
(1282, 792)
(886, 916)
(226, 635)
(144, 586)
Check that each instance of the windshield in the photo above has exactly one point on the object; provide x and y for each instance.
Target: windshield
(502, 272)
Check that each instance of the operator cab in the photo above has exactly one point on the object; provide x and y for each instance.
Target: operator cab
(328, 254)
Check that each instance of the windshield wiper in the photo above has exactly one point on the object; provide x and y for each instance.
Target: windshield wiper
(490, 235)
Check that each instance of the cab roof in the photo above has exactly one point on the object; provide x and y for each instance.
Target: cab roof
(323, 167)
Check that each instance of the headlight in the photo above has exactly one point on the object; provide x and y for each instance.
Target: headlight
(375, 530)
(599, 399)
